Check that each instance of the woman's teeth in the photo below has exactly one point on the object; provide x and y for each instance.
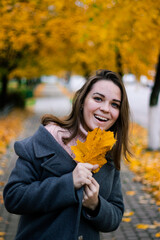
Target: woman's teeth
(100, 118)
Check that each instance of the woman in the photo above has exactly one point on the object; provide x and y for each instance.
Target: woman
(57, 197)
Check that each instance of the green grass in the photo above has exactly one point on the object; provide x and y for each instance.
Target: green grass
(30, 102)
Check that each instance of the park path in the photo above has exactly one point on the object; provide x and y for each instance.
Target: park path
(141, 203)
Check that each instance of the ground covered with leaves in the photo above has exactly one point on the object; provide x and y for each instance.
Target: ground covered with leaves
(12, 124)
(10, 127)
(145, 164)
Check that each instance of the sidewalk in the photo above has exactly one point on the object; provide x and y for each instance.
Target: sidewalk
(145, 211)
(9, 222)
(144, 208)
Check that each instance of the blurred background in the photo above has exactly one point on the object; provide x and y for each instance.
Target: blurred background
(48, 48)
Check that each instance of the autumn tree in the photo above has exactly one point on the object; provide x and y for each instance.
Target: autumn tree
(38, 37)
(15, 40)
(22, 38)
(134, 32)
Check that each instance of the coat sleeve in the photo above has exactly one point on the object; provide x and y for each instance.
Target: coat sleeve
(110, 210)
(26, 194)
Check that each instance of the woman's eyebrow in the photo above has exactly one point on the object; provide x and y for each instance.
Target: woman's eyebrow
(115, 100)
(98, 94)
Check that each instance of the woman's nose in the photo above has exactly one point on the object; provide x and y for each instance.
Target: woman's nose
(105, 107)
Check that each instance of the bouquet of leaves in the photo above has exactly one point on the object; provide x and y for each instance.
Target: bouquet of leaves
(94, 149)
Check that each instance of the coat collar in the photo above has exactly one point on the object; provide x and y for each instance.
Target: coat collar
(44, 143)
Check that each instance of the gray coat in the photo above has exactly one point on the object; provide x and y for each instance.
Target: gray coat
(41, 190)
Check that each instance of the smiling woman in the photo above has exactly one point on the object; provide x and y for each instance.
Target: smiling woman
(71, 200)
(102, 105)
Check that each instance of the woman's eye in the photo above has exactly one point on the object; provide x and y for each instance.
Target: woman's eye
(115, 105)
(98, 99)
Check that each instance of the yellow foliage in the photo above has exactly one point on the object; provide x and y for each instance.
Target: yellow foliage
(45, 33)
(94, 149)
(38, 90)
(142, 226)
(146, 163)
(125, 219)
(157, 235)
(146, 226)
(10, 127)
(2, 234)
(1, 172)
(130, 193)
(128, 214)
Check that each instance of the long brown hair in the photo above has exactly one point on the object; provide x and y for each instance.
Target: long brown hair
(121, 126)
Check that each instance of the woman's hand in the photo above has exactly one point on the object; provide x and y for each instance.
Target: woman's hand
(82, 174)
(90, 195)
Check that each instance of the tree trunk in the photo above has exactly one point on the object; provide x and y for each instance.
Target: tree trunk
(119, 62)
(154, 113)
(3, 95)
(19, 81)
(68, 76)
(156, 88)
(86, 71)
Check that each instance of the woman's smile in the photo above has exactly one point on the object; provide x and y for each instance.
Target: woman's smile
(100, 118)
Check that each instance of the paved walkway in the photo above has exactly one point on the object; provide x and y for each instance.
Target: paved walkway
(9, 222)
(145, 211)
(144, 208)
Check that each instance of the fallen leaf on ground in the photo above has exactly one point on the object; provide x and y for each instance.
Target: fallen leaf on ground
(142, 226)
(158, 203)
(145, 164)
(152, 226)
(157, 234)
(1, 172)
(157, 223)
(143, 201)
(10, 127)
(125, 219)
(131, 193)
(2, 234)
(128, 214)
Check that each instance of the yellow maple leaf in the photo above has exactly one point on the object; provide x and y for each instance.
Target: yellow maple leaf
(130, 193)
(1, 172)
(156, 223)
(2, 233)
(157, 235)
(126, 219)
(128, 214)
(142, 226)
(94, 149)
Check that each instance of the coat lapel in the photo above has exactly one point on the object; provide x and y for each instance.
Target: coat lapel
(43, 143)
(57, 160)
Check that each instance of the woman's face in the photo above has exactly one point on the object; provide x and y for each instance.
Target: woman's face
(102, 105)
